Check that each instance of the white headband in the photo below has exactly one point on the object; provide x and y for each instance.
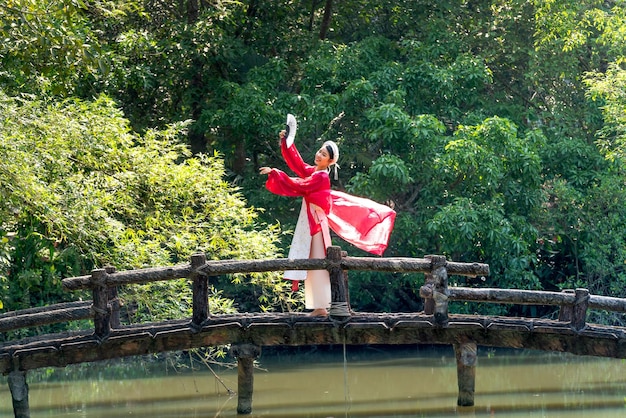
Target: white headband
(335, 151)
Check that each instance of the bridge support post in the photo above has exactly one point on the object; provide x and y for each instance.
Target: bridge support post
(19, 393)
(200, 288)
(339, 296)
(466, 359)
(245, 355)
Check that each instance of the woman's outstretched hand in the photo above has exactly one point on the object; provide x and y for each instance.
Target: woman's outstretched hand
(266, 170)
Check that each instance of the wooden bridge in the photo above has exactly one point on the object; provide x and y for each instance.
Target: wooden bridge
(247, 333)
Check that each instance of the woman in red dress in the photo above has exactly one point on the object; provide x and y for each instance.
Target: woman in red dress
(312, 236)
(362, 222)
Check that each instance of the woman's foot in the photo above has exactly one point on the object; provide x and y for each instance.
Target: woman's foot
(319, 312)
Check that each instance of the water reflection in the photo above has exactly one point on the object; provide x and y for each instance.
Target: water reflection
(372, 382)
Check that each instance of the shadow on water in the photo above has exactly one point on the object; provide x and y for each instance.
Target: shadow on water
(328, 381)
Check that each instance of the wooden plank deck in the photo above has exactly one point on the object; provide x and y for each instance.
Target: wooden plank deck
(265, 329)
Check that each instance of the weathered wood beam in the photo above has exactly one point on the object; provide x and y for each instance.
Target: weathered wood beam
(512, 296)
(581, 303)
(607, 303)
(48, 308)
(216, 268)
(534, 297)
(301, 329)
(219, 267)
(114, 301)
(339, 305)
(121, 278)
(56, 314)
(200, 285)
(412, 265)
(566, 312)
(396, 264)
(100, 306)
(440, 292)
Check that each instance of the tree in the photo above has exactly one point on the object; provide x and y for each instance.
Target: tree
(495, 128)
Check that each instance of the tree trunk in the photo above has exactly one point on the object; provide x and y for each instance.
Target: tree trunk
(328, 11)
(312, 15)
(192, 11)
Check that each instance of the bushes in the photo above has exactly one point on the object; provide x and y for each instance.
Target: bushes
(80, 190)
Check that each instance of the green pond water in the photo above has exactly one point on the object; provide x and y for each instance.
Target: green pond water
(335, 381)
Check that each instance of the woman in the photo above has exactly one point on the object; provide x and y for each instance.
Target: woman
(312, 235)
(362, 222)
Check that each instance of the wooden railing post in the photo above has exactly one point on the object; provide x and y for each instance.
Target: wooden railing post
(435, 290)
(426, 292)
(566, 312)
(466, 360)
(100, 306)
(200, 288)
(114, 301)
(19, 393)
(245, 355)
(581, 303)
(339, 298)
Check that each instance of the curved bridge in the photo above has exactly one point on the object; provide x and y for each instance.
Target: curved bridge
(248, 333)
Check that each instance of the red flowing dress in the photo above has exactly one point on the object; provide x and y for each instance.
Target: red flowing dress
(362, 222)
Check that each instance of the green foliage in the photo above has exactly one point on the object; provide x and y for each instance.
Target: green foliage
(387, 172)
(490, 161)
(494, 128)
(47, 46)
(583, 240)
(493, 190)
(608, 88)
(80, 190)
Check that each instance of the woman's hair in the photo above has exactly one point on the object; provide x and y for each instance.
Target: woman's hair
(333, 151)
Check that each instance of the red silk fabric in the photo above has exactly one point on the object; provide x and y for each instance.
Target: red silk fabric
(362, 222)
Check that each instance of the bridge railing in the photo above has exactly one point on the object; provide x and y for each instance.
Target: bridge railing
(101, 282)
(104, 306)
